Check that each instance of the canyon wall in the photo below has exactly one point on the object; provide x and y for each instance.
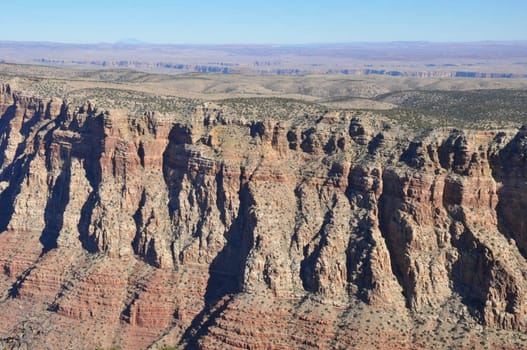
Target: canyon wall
(330, 230)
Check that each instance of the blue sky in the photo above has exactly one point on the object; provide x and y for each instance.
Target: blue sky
(270, 21)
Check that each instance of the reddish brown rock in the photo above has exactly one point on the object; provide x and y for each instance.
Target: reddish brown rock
(212, 231)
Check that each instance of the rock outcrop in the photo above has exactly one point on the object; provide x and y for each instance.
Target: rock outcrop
(316, 231)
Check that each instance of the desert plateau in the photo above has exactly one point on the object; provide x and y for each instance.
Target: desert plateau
(142, 208)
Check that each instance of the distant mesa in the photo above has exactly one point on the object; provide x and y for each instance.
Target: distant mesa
(423, 60)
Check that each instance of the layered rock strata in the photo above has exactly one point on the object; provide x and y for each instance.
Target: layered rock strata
(331, 230)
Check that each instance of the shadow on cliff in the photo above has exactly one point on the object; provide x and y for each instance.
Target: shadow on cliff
(93, 145)
(358, 260)
(394, 234)
(226, 272)
(175, 163)
(227, 269)
(5, 129)
(308, 266)
(58, 197)
(509, 167)
(471, 274)
(15, 172)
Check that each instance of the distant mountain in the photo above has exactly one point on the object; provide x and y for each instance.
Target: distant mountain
(131, 41)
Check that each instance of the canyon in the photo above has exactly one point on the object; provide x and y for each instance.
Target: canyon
(208, 227)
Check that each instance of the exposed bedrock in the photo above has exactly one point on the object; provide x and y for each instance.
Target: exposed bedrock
(143, 230)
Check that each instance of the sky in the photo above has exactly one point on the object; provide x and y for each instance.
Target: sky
(262, 22)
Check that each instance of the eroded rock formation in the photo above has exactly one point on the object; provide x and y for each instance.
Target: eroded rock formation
(319, 231)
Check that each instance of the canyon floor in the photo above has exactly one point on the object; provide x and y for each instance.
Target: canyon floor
(141, 210)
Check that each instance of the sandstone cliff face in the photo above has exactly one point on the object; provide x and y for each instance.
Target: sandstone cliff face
(209, 231)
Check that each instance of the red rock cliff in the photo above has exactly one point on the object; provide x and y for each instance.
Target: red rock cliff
(320, 231)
